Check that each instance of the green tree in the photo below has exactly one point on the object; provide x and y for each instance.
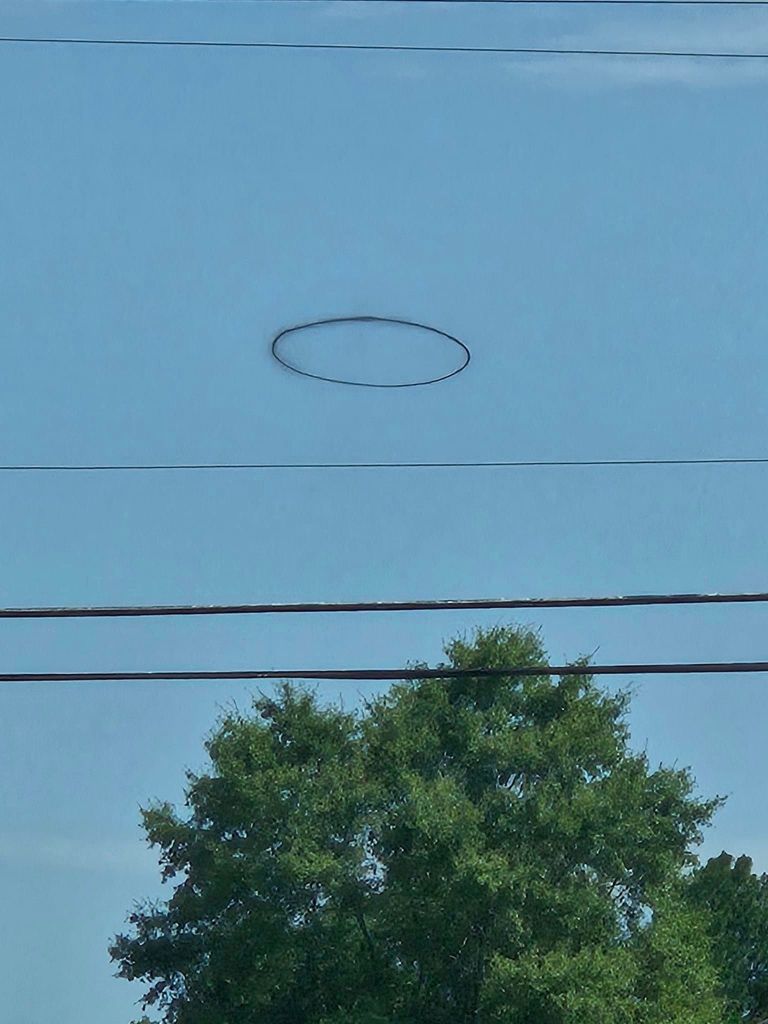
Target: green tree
(464, 851)
(736, 901)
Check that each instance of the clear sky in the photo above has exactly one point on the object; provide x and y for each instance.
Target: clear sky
(595, 229)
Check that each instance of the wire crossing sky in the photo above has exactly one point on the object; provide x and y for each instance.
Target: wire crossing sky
(331, 607)
(548, 51)
(380, 674)
(520, 464)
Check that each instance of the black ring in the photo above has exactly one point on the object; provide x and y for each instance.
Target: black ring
(367, 320)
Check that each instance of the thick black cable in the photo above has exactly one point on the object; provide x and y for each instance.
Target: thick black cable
(390, 48)
(458, 604)
(667, 668)
(148, 467)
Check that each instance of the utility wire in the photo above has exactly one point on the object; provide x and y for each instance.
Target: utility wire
(537, 3)
(459, 604)
(500, 50)
(548, 3)
(545, 3)
(187, 467)
(673, 668)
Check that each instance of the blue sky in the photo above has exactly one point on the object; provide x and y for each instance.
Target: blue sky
(595, 229)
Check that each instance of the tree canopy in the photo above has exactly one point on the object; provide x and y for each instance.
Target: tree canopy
(460, 851)
(735, 901)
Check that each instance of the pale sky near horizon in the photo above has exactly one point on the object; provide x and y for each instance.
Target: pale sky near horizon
(595, 229)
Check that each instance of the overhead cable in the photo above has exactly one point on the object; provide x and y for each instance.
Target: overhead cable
(457, 604)
(372, 674)
(547, 3)
(187, 467)
(534, 3)
(381, 47)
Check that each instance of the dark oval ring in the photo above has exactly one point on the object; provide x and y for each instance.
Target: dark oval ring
(467, 355)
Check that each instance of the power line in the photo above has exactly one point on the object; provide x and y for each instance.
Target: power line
(551, 3)
(390, 48)
(537, 3)
(458, 604)
(186, 467)
(668, 668)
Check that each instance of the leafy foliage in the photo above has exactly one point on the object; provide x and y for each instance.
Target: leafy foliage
(736, 901)
(463, 852)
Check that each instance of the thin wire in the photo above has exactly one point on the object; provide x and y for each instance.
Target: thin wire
(539, 3)
(500, 50)
(458, 604)
(679, 668)
(186, 467)
(543, 3)
(550, 3)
